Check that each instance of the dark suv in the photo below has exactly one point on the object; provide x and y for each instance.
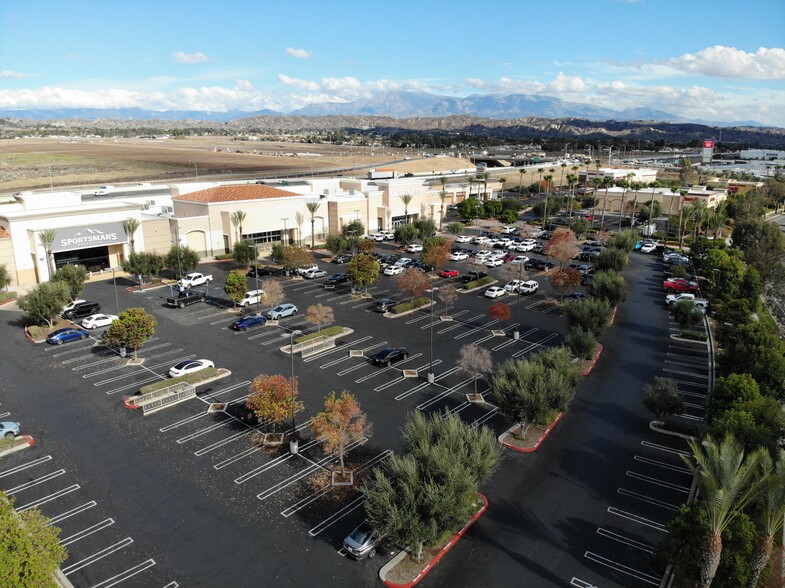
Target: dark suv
(81, 309)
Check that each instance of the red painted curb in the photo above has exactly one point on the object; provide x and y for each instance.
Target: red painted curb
(613, 315)
(30, 440)
(594, 361)
(539, 441)
(444, 549)
(127, 403)
(8, 301)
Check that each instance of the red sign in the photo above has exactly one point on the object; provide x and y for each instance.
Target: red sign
(708, 144)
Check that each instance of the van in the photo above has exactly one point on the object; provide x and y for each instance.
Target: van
(251, 297)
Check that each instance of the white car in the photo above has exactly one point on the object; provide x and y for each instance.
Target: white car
(314, 273)
(251, 297)
(528, 287)
(480, 240)
(403, 261)
(375, 237)
(189, 366)
(458, 256)
(104, 190)
(301, 271)
(464, 239)
(512, 285)
(494, 262)
(414, 248)
(495, 292)
(70, 305)
(98, 320)
(648, 247)
(520, 259)
(388, 235)
(482, 255)
(508, 230)
(393, 270)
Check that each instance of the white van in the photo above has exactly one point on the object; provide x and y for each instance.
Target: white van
(251, 297)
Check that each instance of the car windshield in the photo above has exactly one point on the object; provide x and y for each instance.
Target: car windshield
(182, 364)
(361, 534)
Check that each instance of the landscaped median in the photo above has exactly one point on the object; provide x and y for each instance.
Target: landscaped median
(8, 446)
(531, 439)
(170, 391)
(315, 342)
(477, 284)
(405, 308)
(403, 571)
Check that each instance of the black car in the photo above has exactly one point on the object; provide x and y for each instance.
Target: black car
(473, 276)
(385, 304)
(186, 298)
(343, 258)
(81, 309)
(389, 356)
(336, 279)
(261, 270)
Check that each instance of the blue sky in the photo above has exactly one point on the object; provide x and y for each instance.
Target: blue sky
(719, 60)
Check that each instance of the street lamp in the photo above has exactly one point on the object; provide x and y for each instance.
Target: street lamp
(431, 376)
(293, 440)
(116, 299)
(516, 334)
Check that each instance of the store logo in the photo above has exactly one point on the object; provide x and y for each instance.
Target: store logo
(89, 237)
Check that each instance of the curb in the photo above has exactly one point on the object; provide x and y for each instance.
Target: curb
(392, 315)
(287, 349)
(691, 342)
(462, 291)
(654, 426)
(30, 443)
(539, 441)
(9, 301)
(127, 399)
(438, 557)
(594, 361)
(613, 315)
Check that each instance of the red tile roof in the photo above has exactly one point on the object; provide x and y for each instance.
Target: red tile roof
(235, 193)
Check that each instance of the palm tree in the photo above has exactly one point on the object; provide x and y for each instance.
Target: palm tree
(605, 183)
(442, 197)
(130, 225)
(471, 185)
(561, 178)
(718, 219)
(636, 187)
(522, 172)
(299, 218)
(728, 480)
(484, 177)
(772, 515)
(312, 208)
(622, 184)
(548, 179)
(682, 194)
(406, 199)
(539, 180)
(502, 181)
(237, 220)
(47, 237)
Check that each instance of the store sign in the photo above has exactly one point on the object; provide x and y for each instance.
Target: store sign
(87, 236)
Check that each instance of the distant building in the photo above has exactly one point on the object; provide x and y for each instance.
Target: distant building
(589, 177)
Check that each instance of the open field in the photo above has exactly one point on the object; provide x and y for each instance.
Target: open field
(29, 164)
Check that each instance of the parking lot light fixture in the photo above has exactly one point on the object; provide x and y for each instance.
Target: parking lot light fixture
(431, 375)
(517, 332)
(293, 445)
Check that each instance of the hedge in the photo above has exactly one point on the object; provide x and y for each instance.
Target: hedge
(411, 305)
(328, 332)
(224, 256)
(693, 336)
(478, 283)
(194, 378)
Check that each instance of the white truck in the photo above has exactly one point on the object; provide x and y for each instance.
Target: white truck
(104, 190)
(701, 303)
(194, 279)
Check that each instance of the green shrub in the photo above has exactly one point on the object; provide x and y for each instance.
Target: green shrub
(7, 443)
(583, 344)
(36, 332)
(224, 256)
(591, 314)
(478, 283)
(194, 378)
(687, 314)
(411, 305)
(328, 332)
(693, 335)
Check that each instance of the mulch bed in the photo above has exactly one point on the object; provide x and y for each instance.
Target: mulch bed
(529, 440)
(408, 569)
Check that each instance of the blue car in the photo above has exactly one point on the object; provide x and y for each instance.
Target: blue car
(248, 321)
(61, 336)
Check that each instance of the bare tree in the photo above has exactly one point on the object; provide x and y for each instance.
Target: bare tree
(474, 361)
(447, 294)
(273, 292)
(319, 314)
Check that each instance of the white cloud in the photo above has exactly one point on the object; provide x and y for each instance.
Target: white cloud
(729, 62)
(297, 83)
(8, 74)
(182, 57)
(298, 53)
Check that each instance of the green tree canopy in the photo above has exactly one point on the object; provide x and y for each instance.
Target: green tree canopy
(661, 398)
(455, 228)
(131, 329)
(728, 391)
(244, 252)
(5, 277)
(144, 264)
(591, 314)
(406, 234)
(608, 285)
(763, 244)
(236, 285)
(74, 276)
(425, 228)
(364, 270)
(611, 259)
(44, 302)
(182, 258)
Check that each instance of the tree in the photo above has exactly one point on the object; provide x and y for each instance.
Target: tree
(455, 228)
(686, 314)
(447, 294)
(728, 480)
(406, 199)
(608, 285)
(563, 246)
(471, 208)
(442, 197)
(763, 245)
(364, 270)
(436, 252)
(413, 282)
(612, 259)
(425, 227)
(772, 507)
(273, 398)
(728, 391)
(341, 423)
(352, 231)
(406, 234)
(500, 312)
(236, 286)
(273, 292)
(133, 327)
(294, 257)
(44, 302)
(623, 240)
(299, 218)
(73, 276)
(474, 361)
(661, 398)
(564, 281)
(30, 551)
(319, 314)
(582, 344)
(47, 238)
(312, 208)
(184, 259)
(237, 219)
(244, 253)
(129, 226)
(522, 172)
(367, 246)
(427, 493)
(143, 264)
(591, 314)
(5, 277)
(755, 423)
(336, 243)
(686, 173)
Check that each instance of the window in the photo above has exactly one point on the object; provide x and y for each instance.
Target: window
(263, 237)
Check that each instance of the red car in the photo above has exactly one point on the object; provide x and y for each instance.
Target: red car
(509, 257)
(449, 273)
(680, 285)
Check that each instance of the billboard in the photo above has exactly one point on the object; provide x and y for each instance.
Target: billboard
(708, 151)
(82, 237)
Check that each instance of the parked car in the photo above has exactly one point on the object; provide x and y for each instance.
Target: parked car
(495, 292)
(389, 356)
(388, 235)
(403, 261)
(375, 237)
(189, 366)
(463, 239)
(185, 298)
(674, 298)
(512, 285)
(65, 335)
(508, 230)
(281, 311)
(10, 429)
(393, 270)
(314, 273)
(194, 279)
(473, 276)
(414, 248)
(519, 259)
(362, 542)
(95, 321)
(80, 309)
(71, 305)
(301, 271)
(248, 321)
(258, 271)
(251, 297)
(449, 273)
(459, 256)
(528, 287)
(648, 247)
(493, 262)
(385, 304)
(680, 285)
(343, 258)
(336, 279)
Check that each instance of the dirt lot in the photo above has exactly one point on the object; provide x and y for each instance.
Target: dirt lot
(30, 164)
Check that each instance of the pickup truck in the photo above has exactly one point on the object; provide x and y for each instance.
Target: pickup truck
(194, 279)
(680, 285)
(183, 299)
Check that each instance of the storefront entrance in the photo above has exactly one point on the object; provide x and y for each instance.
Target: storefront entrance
(94, 258)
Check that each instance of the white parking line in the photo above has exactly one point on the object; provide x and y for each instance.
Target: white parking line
(129, 573)
(578, 583)
(34, 482)
(418, 319)
(106, 353)
(683, 373)
(662, 464)
(96, 556)
(203, 431)
(114, 356)
(215, 395)
(48, 498)
(644, 577)
(402, 378)
(474, 330)
(419, 387)
(437, 319)
(72, 512)
(645, 547)
(137, 384)
(335, 517)
(440, 396)
(144, 368)
(459, 324)
(540, 343)
(657, 482)
(664, 448)
(76, 348)
(86, 532)
(638, 519)
(24, 466)
(383, 370)
(347, 357)
(648, 499)
(486, 417)
(269, 465)
(123, 365)
(343, 348)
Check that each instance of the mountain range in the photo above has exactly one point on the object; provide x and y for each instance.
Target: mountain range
(394, 104)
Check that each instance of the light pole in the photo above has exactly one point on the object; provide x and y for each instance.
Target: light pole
(116, 299)
(516, 334)
(283, 238)
(431, 375)
(256, 276)
(196, 170)
(293, 445)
